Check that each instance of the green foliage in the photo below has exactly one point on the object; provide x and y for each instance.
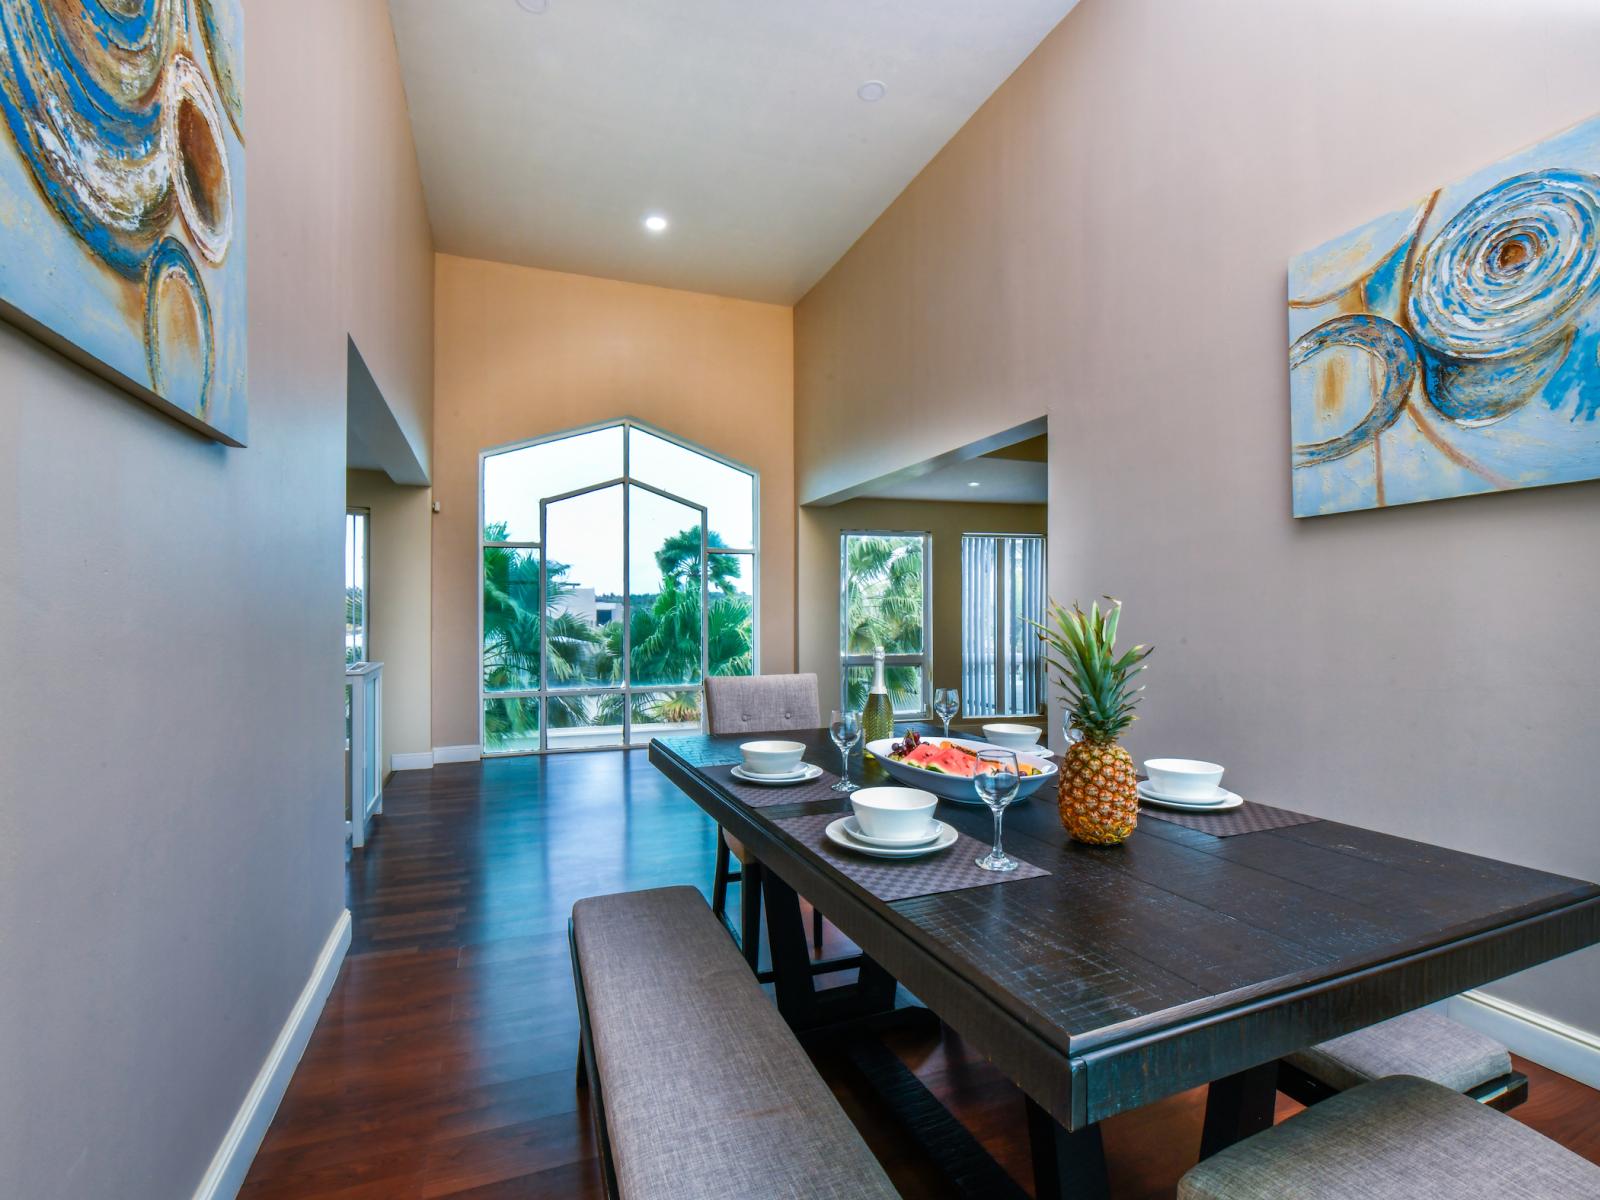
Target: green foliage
(663, 637)
(884, 607)
(1097, 684)
(354, 606)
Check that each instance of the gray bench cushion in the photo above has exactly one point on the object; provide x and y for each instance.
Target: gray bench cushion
(762, 703)
(1400, 1138)
(1421, 1043)
(707, 1094)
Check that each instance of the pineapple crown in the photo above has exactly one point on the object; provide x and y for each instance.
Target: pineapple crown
(1098, 685)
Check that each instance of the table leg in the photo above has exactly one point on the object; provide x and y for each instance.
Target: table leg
(1068, 1164)
(1238, 1106)
(802, 1004)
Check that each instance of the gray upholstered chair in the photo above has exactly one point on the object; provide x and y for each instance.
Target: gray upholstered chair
(1421, 1043)
(738, 704)
(1399, 1138)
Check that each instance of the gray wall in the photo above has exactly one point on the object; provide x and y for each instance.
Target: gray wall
(170, 717)
(1106, 243)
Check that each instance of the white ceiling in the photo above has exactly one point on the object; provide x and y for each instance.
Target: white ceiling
(999, 480)
(545, 138)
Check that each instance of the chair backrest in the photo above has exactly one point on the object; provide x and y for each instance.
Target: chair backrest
(761, 703)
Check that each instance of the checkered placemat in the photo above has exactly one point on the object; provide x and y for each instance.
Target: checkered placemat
(897, 879)
(765, 795)
(1250, 818)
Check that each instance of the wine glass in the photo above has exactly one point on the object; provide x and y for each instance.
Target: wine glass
(946, 704)
(845, 730)
(997, 781)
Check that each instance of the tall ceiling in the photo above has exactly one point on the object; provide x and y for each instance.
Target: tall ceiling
(548, 129)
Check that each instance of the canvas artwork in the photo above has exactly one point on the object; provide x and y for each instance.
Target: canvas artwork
(122, 207)
(1450, 348)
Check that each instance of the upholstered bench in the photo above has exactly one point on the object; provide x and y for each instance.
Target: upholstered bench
(1399, 1138)
(696, 1086)
(1420, 1043)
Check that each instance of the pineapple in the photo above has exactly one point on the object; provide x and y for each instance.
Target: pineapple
(1096, 796)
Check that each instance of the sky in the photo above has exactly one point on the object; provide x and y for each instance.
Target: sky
(586, 531)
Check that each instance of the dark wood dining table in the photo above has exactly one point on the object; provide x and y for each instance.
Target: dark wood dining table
(1132, 972)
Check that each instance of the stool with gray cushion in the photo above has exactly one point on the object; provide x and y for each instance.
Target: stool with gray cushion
(755, 704)
(696, 1086)
(1400, 1138)
(1420, 1043)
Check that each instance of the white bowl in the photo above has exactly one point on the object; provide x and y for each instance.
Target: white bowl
(894, 814)
(1013, 737)
(772, 758)
(1183, 777)
(957, 787)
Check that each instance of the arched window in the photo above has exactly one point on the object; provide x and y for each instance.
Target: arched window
(618, 570)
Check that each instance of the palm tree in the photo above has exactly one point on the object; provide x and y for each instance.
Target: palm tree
(354, 602)
(679, 559)
(512, 617)
(663, 637)
(884, 607)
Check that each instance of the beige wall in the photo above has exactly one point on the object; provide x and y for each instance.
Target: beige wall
(819, 532)
(171, 826)
(523, 352)
(387, 241)
(1106, 243)
(399, 604)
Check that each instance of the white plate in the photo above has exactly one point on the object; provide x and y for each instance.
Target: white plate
(1228, 800)
(806, 774)
(836, 834)
(853, 828)
(1213, 797)
(953, 787)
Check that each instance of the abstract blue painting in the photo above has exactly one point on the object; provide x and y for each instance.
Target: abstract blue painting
(122, 206)
(1450, 348)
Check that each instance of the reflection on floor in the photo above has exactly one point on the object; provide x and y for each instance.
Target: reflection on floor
(443, 1063)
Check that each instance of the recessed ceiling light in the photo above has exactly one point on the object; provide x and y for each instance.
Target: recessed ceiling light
(655, 223)
(873, 90)
(534, 6)
(974, 483)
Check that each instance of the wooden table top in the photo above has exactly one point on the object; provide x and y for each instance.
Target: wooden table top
(1133, 972)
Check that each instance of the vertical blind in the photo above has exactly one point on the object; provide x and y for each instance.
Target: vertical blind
(1002, 594)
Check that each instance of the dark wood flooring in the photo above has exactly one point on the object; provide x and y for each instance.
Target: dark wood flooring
(442, 1065)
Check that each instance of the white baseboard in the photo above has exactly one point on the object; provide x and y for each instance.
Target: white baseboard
(455, 754)
(411, 762)
(231, 1163)
(1563, 1048)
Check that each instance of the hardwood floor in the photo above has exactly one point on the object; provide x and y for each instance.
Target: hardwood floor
(443, 1062)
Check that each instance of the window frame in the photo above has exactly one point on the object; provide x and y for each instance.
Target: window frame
(628, 689)
(363, 518)
(923, 660)
(1002, 598)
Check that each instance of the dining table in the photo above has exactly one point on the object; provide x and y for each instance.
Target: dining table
(1103, 978)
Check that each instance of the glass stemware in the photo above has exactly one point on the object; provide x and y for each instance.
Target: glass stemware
(845, 730)
(997, 780)
(946, 704)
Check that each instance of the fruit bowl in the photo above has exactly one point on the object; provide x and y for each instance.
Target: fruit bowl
(957, 787)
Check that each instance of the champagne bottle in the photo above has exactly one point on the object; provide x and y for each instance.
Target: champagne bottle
(877, 719)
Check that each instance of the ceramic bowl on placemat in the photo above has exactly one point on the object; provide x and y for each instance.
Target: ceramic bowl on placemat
(1023, 738)
(894, 814)
(1217, 800)
(771, 757)
(1183, 778)
(804, 773)
(836, 832)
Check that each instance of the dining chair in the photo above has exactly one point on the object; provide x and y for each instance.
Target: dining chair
(1421, 1043)
(737, 704)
